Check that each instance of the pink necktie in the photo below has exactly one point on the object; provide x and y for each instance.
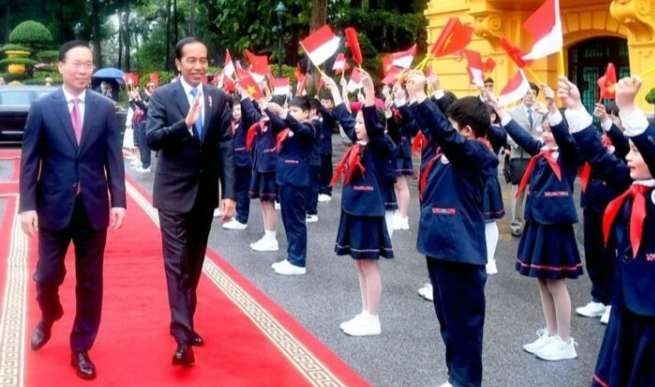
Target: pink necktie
(75, 119)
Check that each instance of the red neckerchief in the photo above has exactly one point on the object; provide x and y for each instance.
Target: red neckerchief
(252, 132)
(425, 173)
(637, 215)
(281, 138)
(419, 142)
(485, 142)
(350, 163)
(544, 154)
(585, 171)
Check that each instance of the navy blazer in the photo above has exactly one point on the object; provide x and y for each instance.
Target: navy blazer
(402, 128)
(451, 225)
(189, 168)
(325, 131)
(241, 155)
(53, 164)
(645, 142)
(294, 158)
(549, 201)
(263, 152)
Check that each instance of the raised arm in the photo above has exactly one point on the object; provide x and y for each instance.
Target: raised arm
(159, 134)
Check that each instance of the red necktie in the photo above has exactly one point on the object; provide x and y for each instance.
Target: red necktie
(544, 154)
(75, 120)
(585, 171)
(637, 215)
(281, 138)
(425, 173)
(350, 162)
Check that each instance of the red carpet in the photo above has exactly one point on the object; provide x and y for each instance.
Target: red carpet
(133, 346)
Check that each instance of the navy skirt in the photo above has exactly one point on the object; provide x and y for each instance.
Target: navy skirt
(492, 200)
(263, 187)
(548, 252)
(404, 166)
(627, 355)
(363, 237)
(390, 201)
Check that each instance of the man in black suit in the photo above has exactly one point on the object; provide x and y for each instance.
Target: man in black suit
(71, 158)
(189, 124)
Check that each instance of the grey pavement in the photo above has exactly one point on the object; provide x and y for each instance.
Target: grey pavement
(409, 352)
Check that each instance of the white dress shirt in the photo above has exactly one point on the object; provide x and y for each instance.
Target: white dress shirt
(80, 104)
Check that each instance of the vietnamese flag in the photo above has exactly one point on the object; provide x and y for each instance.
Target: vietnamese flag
(352, 42)
(258, 65)
(247, 82)
(454, 37)
(320, 45)
(607, 82)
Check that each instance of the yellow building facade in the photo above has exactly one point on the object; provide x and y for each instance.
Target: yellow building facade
(595, 32)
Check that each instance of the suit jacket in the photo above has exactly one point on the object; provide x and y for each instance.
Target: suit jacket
(189, 168)
(520, 116)
(53, 165)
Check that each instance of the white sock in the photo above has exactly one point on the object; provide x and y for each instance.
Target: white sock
(389, 220)
(491, 237)
(270, 234)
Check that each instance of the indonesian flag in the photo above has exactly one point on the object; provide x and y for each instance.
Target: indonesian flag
(339, 65)
(515, 89)
(476, 67)
(320, 45)
(131, 79)
(228, 69)
(301, 78)
(386, 64)
(352, 42)
(226, 83)
(515, 53)
(607, 82)
(247, 82)
(392, 76)
(545, 27)
(281, 86)
(404, 59)
(355, 82)
(454, 37)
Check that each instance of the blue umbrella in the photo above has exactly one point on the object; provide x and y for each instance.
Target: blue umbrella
(110, 72)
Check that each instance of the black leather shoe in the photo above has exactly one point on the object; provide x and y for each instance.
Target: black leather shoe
(41, 334)
(183, 355)
(197, 340)
(83, 365)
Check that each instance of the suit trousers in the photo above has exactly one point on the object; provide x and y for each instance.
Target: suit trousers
(89, 246)
(460, 306)
(241, 187)
(184, 243)
(292, 207)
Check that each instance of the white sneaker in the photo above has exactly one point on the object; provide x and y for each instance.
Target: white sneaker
(142, 170)
(234, 224)
(605, 318)
(541, 341)
(491, 267)
(265, 244)
(324, 198)
(352, 321)
(217, 213)
(368, 325)
(287, 268)
(558, 349)
(446, 385)
(135, 163)
(402, 222)
(276, 205)
(592, 309)
(427, 292)
(311, 218)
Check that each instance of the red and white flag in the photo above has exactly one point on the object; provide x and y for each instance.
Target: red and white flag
(281, 86)
(477, 67)
(301, 79)
(228, 68)
(355, 82)
(515, 89)
(545, 26)
(392, 76)
(339, 65)
(320, 45)
(258, 66)
(404, 59)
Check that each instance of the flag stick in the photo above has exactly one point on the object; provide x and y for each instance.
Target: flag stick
(533, 75)
(424, 62)
(561, 63)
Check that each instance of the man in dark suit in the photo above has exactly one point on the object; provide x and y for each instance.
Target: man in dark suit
(189, 124)
(71, 158)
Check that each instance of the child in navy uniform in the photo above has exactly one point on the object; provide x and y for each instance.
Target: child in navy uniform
(314, 162)
(260, 142)
(595, 195)
(295, 140)
(242, 169)
(451, 225)
(548, 249)
(628, 350)
(363, 231)
(325, 145)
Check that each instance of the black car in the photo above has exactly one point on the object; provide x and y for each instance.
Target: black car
(15, 103)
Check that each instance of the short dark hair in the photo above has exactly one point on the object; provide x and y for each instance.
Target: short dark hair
(300, 102)
(185, 41)
(314, 103)
(534, 88)
(63, 50)
(470, 111)
(489, 80)
(279, 99)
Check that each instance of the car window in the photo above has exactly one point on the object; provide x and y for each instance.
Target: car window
(15, 97)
